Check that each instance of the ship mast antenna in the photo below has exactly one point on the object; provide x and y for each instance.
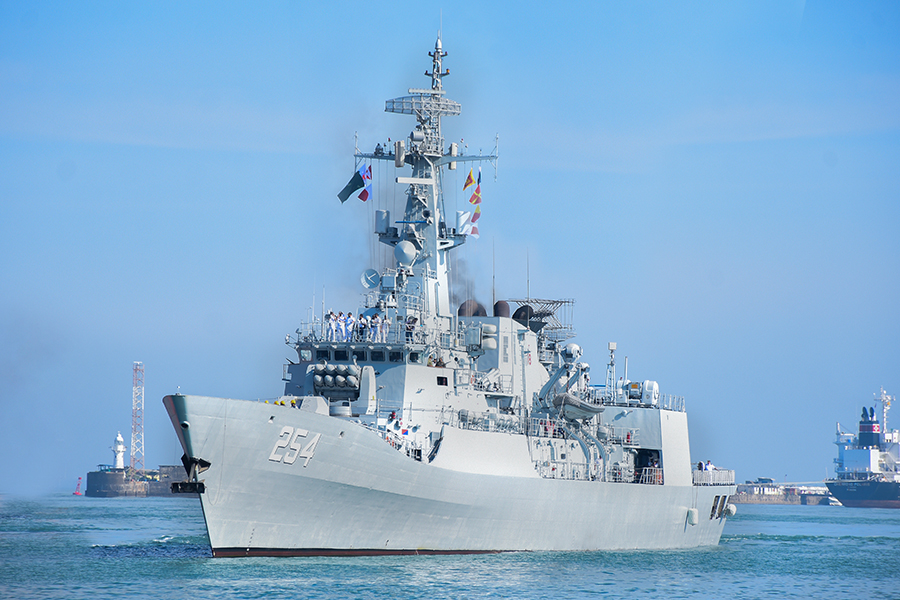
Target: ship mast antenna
(611, 372)
(885, 400)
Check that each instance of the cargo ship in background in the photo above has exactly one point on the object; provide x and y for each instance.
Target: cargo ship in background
(443, 430)
(867, 469)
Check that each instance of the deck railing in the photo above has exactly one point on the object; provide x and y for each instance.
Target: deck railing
(391, 332)
(652, 476)
(714, 477)
(598, 395)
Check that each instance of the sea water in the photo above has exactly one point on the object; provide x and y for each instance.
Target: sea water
(75, 547)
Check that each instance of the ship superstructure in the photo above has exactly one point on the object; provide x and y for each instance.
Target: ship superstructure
(867, 469)
(439, 428)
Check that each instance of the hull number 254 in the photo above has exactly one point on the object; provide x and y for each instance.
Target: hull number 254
(289, 446)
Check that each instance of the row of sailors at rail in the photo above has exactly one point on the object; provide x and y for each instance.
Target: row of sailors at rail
(345, 328)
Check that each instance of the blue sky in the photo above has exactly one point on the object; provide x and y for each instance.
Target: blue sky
(717, 185)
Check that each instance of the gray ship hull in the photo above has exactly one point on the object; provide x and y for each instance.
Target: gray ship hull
(349, 492)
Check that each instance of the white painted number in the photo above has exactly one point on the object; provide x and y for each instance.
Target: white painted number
(283, 440)
(310, 448)
(290, 438)
(294, 446)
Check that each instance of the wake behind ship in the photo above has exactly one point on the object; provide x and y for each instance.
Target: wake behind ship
(417, 427)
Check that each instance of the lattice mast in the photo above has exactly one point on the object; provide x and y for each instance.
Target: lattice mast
(137, 420)
(425, 234)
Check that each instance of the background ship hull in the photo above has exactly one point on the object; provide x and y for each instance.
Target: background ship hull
(358, 495)
(866, 494)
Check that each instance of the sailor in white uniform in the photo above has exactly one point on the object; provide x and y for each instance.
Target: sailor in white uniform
(374, 328)
(332, 326)
(362, 328)
(351, 328)
(342, 327)
(385, 328)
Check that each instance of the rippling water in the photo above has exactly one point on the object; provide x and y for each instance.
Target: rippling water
(73, 547)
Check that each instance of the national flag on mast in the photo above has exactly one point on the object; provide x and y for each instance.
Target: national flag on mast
(356, 182)
(470, 181)
(367, 180)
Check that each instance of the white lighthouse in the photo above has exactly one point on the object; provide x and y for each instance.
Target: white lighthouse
(118, 449)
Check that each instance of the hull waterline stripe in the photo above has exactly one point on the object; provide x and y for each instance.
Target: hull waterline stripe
(237, 552)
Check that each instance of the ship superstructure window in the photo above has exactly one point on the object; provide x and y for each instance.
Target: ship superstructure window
(712, 512)
(323, 354)
(721, 510)
(306, 355)
(395, 356)
(359, 355)
(415, 357)
(378, 355)
(341, 355)
(442, 380)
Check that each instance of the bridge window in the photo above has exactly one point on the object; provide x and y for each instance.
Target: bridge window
(359, 355)
(378, 355)
(323, 354)
(341, 355)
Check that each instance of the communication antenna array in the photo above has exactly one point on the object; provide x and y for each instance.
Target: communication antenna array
(137, 420)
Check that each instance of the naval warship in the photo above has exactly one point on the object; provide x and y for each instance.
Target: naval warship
(867, 469)
(440, 429)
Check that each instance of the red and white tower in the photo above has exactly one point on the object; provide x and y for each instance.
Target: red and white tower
(137, 420)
